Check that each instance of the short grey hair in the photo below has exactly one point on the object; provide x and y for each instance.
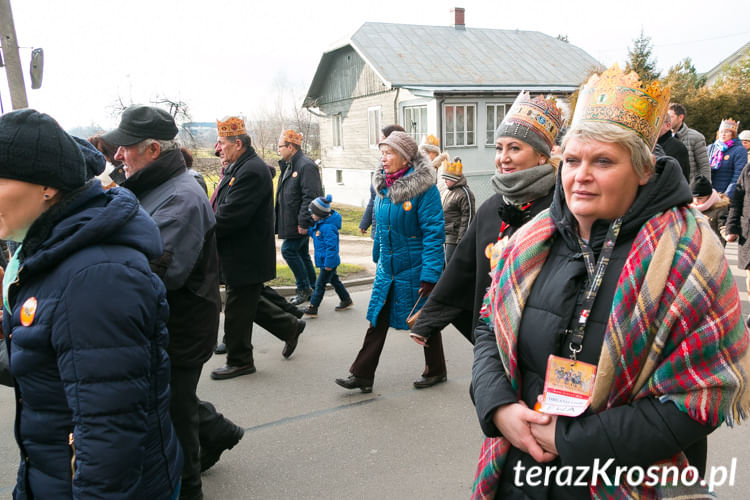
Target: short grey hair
(165, 146)
(244, 138)
(640, 155)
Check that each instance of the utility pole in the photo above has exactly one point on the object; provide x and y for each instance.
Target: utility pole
(12, 60)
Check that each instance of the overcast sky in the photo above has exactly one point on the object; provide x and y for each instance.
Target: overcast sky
(226, 57)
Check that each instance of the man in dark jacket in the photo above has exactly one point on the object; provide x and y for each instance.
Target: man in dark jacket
(673, 147)
(244, 232)
(299, 184)
(156, 173)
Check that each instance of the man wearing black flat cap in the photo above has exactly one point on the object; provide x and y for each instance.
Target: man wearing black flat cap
(156, 173)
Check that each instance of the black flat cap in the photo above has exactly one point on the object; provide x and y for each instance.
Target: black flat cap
(142, 122)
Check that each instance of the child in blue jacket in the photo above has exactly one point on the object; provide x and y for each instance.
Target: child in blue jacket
(325, 235)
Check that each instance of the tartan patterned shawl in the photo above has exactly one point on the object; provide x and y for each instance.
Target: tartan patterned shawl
(675, 332)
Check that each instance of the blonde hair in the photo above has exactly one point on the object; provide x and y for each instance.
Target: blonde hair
(640, 155)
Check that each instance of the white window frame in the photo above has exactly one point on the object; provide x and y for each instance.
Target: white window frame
(416, 129)
(337, 131)
(339, 177)
(374, 120)
(490, 134)
(450, 135)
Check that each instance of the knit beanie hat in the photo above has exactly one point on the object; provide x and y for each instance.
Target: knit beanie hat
(534, 121)
(402, 143)
(321, 206)
(94, 160)
(701, 186)
(34, 148)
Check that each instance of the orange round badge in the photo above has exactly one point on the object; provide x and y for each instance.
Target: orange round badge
(294, 174)
(28, 311)
(488, 250)
(407, 205)
(317, 234)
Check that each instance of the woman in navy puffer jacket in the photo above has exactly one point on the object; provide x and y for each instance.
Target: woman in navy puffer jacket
(91, 373)
(408, 249)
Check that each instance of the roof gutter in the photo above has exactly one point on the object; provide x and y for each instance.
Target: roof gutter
(395, 105)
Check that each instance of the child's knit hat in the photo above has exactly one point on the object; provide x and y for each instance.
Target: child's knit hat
(321, 206)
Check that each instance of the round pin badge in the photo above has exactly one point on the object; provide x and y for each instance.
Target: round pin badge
(317, 234)
(488, 250)
(28, 311)
(726, 157)
(294, 174)
(407, 205)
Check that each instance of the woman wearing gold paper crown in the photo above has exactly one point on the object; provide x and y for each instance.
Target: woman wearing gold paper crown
(614, 314)
(727, 156)
(431, 147)
(523, 183)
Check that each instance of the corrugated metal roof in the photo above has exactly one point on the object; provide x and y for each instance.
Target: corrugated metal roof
(413, 56)
(406, 55)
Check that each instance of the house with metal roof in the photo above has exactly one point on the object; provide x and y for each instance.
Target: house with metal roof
(736, 57)
(453, 82)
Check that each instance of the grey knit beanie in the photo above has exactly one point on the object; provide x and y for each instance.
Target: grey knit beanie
(522, 132)
(34, 148)
(403, 144)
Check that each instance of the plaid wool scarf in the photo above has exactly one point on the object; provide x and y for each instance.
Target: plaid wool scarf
(675, 332)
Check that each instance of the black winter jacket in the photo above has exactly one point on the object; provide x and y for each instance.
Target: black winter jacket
(638, 434)
(244, 222)
(299, 184)
(189, 265)
(458, 295)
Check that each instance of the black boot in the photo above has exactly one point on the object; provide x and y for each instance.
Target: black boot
(354, 382)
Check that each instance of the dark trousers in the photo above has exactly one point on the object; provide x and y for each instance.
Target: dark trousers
(273, 296)
(296, 253)
(214, 427)
(239, 314)
(275, 320)
(368, 357)
(325, 277)
(183, 406)
(449, 249)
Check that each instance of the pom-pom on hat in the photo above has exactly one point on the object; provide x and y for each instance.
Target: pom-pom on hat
(321, 206)
(430, 143)
(292, 137)
(231, 126)
(402, 143)
(35, 149)
(701, 186)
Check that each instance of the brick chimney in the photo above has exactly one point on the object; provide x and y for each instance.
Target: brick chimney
(457, 18)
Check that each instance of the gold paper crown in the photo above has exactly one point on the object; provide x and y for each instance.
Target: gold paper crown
(455, 168)
(729, 124)
(620, 99)
(541, 116)
(232, 127)
(432, 140)
(292, 136)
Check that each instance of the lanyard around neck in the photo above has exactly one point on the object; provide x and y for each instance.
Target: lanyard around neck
(595, 271)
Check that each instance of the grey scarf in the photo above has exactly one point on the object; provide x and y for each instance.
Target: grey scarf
(524, 185)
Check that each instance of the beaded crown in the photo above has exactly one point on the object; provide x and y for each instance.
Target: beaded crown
(231, 127)
(729, 124)
(620, 99)
(292, 137)
(540, 115)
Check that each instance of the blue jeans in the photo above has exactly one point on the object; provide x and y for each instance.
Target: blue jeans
(296, 253)
(325, 277)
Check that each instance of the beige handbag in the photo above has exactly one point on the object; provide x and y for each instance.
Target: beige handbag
(412, 317)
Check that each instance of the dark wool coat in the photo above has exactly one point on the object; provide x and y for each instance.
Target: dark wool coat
(458, 295)
(325, 236)
(733, 161)
(92, 361)
(459, 209)
(738, 220)
(409, 237)
(189, 265)
(638, 434)
(244, 222)
(677, 150)
(298, 185)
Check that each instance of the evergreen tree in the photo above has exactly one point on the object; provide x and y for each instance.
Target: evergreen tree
(684, 80)
(640, 60)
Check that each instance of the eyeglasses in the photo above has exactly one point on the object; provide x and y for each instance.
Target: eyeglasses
(282, 146)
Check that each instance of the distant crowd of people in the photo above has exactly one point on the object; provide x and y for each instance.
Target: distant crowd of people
(594, 275)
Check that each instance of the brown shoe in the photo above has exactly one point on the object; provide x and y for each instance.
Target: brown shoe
(229, 371)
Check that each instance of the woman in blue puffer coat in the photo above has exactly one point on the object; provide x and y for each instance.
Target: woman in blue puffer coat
(408, 248)
(91, 373)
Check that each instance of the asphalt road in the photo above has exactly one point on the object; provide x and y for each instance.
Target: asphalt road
(307, 438)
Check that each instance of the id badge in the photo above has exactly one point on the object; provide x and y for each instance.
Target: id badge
(568, 386)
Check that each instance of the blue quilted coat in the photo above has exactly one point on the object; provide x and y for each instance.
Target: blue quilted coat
(408, 240)
(325, 235)
(87, 324)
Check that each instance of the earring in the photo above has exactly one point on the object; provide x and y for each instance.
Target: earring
(46, 196)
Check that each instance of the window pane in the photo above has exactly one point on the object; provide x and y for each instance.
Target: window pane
(450, 122)
(449, 138)
(470, 125)
(423, 121)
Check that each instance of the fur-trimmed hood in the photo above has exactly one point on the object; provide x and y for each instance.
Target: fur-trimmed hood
(417, 180)
(438, 161)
